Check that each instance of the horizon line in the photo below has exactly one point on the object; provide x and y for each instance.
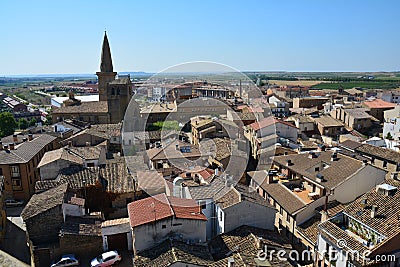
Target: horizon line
(243, 71)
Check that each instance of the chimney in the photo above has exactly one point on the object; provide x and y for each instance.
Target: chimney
(15, 138)
(374, 209)
(270, 178)
(69, 143)
(324, 216)
(312, 155)
(231, 262)
(87, 143)
(6, 147)
(365, 162)
(364, 203)
(319, 177)
(334, 156)
(30, 137)
(24, 139)
(177, 147)
(288, 162)
(12, 146)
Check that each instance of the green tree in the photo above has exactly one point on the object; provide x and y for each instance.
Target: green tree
(389, 136)
(22, 124)
(49, 119)
(7, 124)
(32, 122)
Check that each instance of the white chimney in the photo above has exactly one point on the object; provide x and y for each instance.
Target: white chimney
(231, 262)
(373, 211)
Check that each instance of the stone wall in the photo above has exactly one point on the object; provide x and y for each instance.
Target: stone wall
(45, 227)
(81, 245)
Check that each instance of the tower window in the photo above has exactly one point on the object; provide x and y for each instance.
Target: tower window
(112, 91)
(118, 91)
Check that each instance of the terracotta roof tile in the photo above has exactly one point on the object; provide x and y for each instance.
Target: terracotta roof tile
(149, 210)
(379, 103)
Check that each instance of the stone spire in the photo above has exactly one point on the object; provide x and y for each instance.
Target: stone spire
(106, 61)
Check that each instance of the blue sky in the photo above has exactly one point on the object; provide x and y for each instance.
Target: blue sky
(40, 37)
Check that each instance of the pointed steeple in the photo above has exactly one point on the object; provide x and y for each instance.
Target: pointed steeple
(106, 61)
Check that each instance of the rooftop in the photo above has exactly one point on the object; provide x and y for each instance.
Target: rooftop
(379, 103)
(328, 121)
(334, 172)
(150, 180)
(241, 193)
(85, 107)
(246, 242)
(358, 113)
(170, 252)
(44, 201)
(25, 151)
(268, 122)
(170, 151)
(385, 222)
(284, 197)
(160, 207)
(379, 152)
(113, 176)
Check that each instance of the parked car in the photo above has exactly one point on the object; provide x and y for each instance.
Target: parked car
(106, 259)
(66, 260)
(13, 203)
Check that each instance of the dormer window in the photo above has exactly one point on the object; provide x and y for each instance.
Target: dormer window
(386, 189)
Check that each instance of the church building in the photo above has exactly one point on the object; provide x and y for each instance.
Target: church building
(114, 96)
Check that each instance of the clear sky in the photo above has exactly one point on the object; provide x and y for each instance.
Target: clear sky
(60, 36)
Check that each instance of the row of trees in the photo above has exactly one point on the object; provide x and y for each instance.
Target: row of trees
(8, 124)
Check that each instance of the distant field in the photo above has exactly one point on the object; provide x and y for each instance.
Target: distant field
(28, 95)
(300, 82)
(362, 84)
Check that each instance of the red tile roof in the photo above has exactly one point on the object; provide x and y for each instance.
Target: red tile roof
(186, 208)
(149, 210)
(268, 122)
(379, 103)
(160, 207)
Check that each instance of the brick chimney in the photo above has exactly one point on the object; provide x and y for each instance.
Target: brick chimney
(30, 137)
(15, 138)
(11, 146)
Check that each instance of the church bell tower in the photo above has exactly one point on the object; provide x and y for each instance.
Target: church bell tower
(106, 73)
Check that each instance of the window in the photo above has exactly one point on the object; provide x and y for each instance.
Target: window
(281, 210)
(1, 172)
(288, 217)
(385, 164)
(16, 184)
(203, 205)
(163, 226)
(15, 172)
(176, 224)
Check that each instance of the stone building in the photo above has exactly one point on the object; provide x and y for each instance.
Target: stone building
(114, 95)
(18, 164)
